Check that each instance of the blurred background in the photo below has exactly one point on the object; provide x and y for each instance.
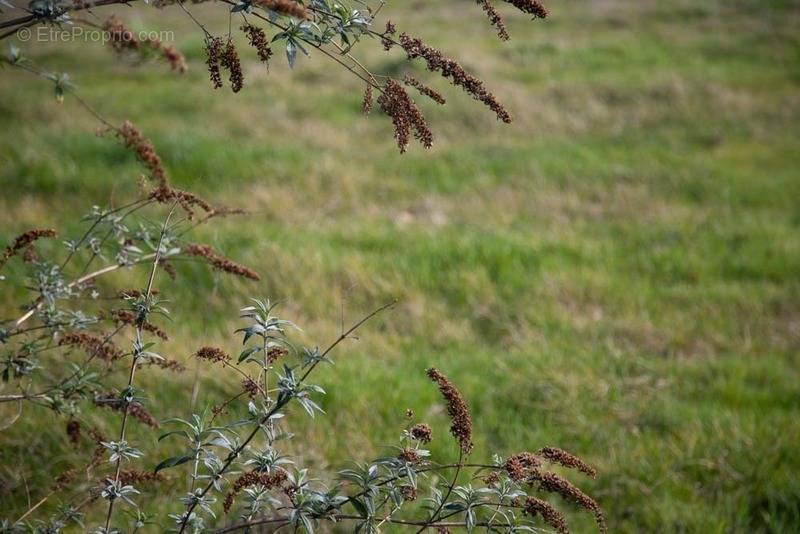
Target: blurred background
(616, 273)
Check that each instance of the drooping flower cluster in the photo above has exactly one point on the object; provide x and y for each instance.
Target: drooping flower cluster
(551, 516)
(450, 69)
(230, 60)
(258, 40)
(406, 116)
(553, 483)
(494, 18)
(213, 59)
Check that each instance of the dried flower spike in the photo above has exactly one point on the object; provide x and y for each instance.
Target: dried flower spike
(421, 432)
(405, 115)
(424, 89)
(213, 59)
(212, 354)
(532, 7)
(133, 139)
(24, 240)
(284, 7)
(562, 457)
(494, 18)
(230, 60)
(551, 516)
(219, 262)
(448, 68)
(258, 40)
(461, 427)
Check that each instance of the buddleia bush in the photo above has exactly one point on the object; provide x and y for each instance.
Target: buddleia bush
(79, 330)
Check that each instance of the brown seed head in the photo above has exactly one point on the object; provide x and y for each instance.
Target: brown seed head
(212, 354)
(272, 480)
(450, 69)
(284, 7)
(532, 7)
(230, 60)
(409, 493)
(562, 457)
(133, 139)
(74, 431)
(258, 40)
(214, 48)
(405, 115)
(24, 240)
(94, 346)
(409, 456)
(218, 261)
(386, 38)
(494, 18)
(554, 483)
(551, 516)
(421, 432)
(424, 89)
(366, 104)
(461, 427)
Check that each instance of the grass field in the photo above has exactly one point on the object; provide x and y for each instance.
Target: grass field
(616, 273)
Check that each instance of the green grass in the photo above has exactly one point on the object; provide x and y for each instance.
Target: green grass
(615, 273)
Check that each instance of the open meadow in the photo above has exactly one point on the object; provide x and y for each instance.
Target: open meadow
(617, 272)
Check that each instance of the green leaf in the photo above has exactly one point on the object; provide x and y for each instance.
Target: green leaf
(246, 353)
(172, 462)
